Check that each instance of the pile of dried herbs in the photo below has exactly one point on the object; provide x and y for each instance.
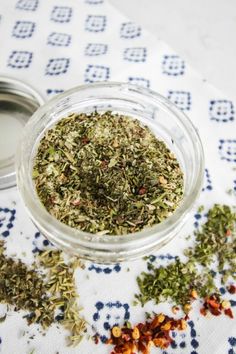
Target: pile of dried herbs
(178, 281)
(61, 286)
(106, 174)
(25, 289)
(43, 294)
(181, 282)
(216, 242)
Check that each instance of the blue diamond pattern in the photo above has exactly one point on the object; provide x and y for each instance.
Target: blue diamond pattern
(95, 49)
(135, 55)
(221, 110)
(61, 14)
(108, 315)
(20, 59)
(95, 23)
(59, 39)
(173, 65)
(23, 29)
(95, 73)
(130, 30)
(181, 99)
(227, 149)
(27, 5)
(57, 66)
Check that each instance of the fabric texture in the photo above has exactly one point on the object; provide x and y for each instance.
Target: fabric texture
(57, 44)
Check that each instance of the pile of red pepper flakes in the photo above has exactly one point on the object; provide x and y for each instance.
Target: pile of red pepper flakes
(231, 289)
(216, 306)
(141, 338)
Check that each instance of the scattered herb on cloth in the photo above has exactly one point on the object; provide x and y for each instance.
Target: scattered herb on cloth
(182, 282)
(178, 281)
(216, 241)
(43, 291)
(106, 174)
(61, 284)
(24, 288)
(155, 332)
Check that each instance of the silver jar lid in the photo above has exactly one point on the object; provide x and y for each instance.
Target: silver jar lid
(18, 102)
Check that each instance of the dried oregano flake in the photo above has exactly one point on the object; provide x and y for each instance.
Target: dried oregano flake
(106, 174)
(43, 289)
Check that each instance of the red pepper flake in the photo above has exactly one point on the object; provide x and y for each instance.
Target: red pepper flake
(104, 164)
(228, 312)
(216, 306)
(75, 202)
(186, 317)
(51, 200)
(203, 311)
(213, 304)
(142, 191)
(143, 336)
(215, 312)
(96, 338)
(231, 289)
(85, 140)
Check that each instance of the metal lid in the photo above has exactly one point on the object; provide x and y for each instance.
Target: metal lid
(18, 102)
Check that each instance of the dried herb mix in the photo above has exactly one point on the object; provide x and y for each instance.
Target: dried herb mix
(106, 174)
(216, 241)
(215, 245)
(43, 293)
(24, 288)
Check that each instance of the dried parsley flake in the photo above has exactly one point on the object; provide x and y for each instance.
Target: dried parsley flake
(106, 174)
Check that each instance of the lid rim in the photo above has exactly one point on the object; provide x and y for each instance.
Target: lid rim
(14, 91)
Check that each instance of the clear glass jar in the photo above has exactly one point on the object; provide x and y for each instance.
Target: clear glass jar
(163, 118)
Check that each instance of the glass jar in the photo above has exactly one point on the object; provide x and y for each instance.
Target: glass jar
(153, 110)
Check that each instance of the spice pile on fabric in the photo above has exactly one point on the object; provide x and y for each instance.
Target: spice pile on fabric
(180, 283)
(183, 281)
(141, 338)
(46, 290)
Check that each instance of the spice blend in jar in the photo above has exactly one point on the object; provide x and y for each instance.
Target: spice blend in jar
(106, 174)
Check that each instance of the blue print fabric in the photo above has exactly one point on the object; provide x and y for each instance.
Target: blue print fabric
(54, 45)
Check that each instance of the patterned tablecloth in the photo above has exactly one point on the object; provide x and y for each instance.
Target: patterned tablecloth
(55, 45)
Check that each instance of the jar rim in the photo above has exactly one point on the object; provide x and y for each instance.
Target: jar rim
(64, 234)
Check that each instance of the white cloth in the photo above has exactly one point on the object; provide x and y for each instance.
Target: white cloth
(57, 44)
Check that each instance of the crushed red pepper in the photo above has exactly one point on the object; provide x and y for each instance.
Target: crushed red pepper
(231, 289)
(140, 338)
(216, 306)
